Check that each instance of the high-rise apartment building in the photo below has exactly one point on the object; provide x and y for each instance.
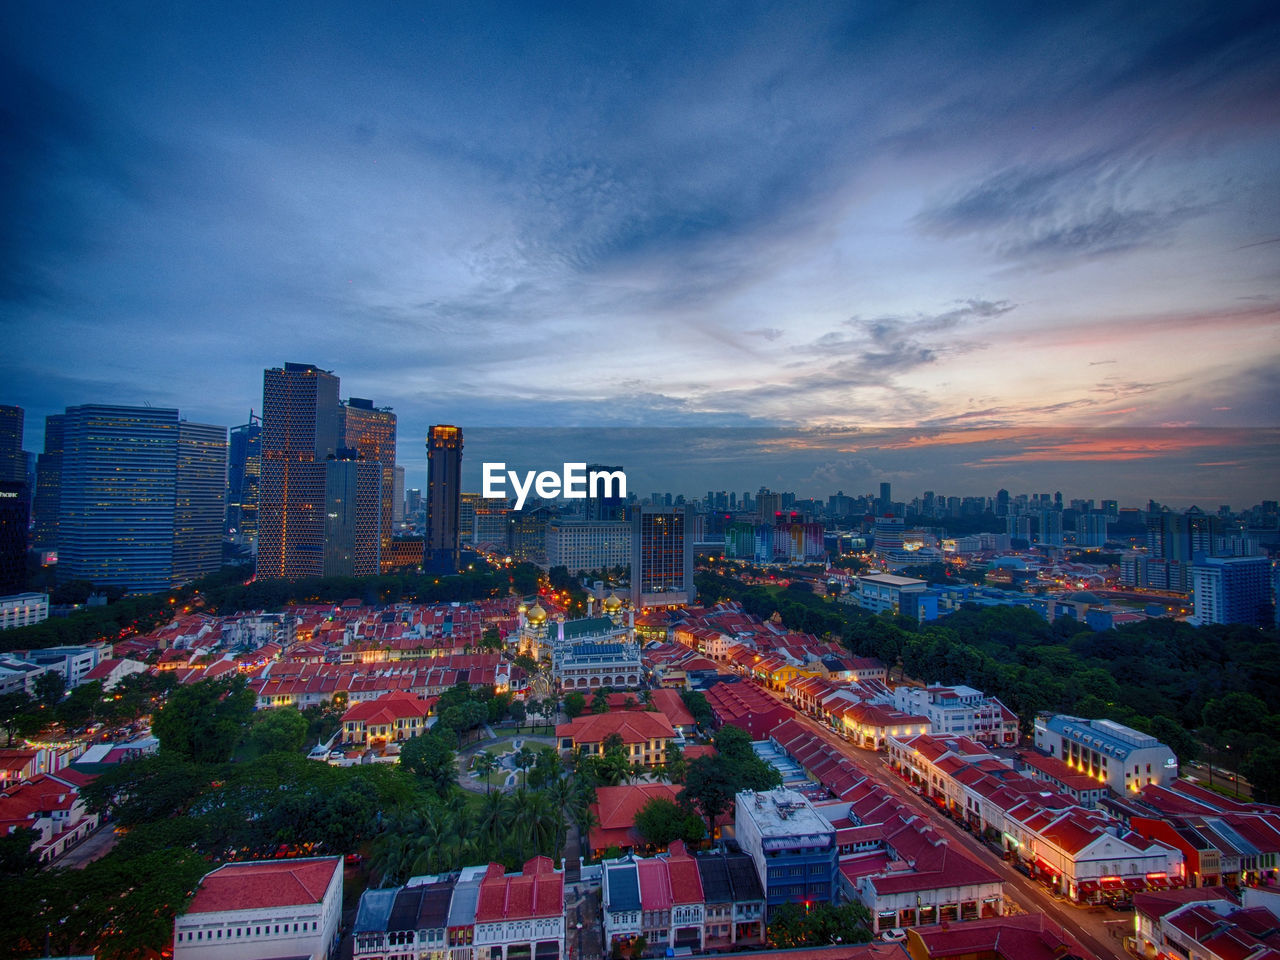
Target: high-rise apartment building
(48, 486)
(1051, 534)
(301, 428)
(244, 477)
(141, 497)
(661, 556)
(372, 434)
(444, 494)
(1232, 590)
(1091, 530)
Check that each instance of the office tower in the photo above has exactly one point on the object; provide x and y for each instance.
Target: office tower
(48, 486)
(491, 526)
(301, 427)
(1111, 508)
(413, 501)
(884, 505)
(139, 489)
(397, 498)
(889, 535)
(444, 494)
(1091, 530)
(14, 515)
(1232, 590)
(605, 509)
(199, 509)
(587, 545)
(1002, 503)
(468, 504)
(372, 433)
(244, 477)
(661, 556)
(13, 462)
(353, 512)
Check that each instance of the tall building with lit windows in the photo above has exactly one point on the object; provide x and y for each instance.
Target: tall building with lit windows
(371, 432)
(301, 429)
(444, 499)
(244, 476)
(199, 504)
(48, 486)
(661, 556)
(141, 497)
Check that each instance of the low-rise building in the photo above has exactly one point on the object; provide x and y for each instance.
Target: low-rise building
(960, 711)
(520, 916)
(263, 908)
(646, 736)
(23, 609)
(792, 845)
(391, 718)
(1124, 759)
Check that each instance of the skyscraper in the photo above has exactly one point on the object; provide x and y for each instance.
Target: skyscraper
(885, 503)
(199, 508)
(139, 489)
(372, 434)
(444, 492)
(352, 516)
(48, 485)
(244, 477)
(661, 556)
(301, 427)
(13, 462)
(397, 498)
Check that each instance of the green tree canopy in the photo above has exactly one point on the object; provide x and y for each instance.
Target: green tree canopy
(203, 721)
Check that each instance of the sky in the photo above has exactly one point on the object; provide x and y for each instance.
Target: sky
(955, 246)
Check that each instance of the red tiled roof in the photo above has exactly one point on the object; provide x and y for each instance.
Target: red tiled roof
(537, 891)
(269, 883)
(633, 726)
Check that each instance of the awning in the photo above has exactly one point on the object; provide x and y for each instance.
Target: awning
(1135, 884)
(1157, 883)
(1110, 883)
(1177, 882)
(1088, 886)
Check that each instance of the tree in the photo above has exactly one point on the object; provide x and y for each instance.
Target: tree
(821, 924)
(707, 787)
(1176, 737)
(518, 713)
(662, 820)
(600, 702)
(49, 688)
(204, 721)
(16, 855)
(430, 758)
(574, 704)
(18, 715)
(1262, 769)
(524, 759)
(280, 730)
(696, 702)
(484, 763)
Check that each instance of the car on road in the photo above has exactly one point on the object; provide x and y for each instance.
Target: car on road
(896, 935)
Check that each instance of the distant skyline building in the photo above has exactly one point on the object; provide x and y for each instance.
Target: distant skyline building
(442, 551)
(397, 497)
(1051, 533)
(588, 545)
(1091, 530)
(884, 505)
(352, 516)
(14, 519)
(121, 522)
(605, 509)
(244, 477)
(661, 556)
(1232, 590)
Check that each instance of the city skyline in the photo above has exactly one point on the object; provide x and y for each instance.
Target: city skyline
(1008, 248)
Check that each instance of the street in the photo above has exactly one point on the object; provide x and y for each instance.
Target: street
(1093, 930)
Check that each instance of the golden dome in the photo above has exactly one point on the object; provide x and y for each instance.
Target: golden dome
(523, 608)
(536, 614)
(612, 603)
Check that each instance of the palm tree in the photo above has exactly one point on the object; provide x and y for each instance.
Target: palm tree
(525, 758)
(493, 820)
(484, 764)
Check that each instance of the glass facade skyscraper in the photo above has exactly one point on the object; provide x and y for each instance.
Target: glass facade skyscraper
(371, 432)
(140, 490)
(661, 556)
(244, 475)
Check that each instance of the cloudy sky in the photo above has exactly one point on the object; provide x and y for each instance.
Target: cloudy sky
(962, 246)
